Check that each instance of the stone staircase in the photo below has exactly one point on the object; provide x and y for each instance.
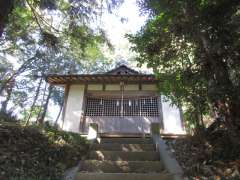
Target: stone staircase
(123, 159)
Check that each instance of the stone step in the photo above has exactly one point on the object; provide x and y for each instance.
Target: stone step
(121, 166)
(123, 147)
(127, 140)
(124, 156)
(123, 176)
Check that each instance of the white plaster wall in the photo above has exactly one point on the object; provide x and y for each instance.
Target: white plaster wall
(113, 87)
(171, 117)
(95, 87)
(74, 108)
(149, 87)
(131, 87)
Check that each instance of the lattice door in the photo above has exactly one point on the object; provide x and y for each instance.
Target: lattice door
(122, 107)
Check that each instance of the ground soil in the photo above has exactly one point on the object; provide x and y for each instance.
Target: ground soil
(207, 156)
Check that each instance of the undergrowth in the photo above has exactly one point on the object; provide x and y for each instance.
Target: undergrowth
(39, 153)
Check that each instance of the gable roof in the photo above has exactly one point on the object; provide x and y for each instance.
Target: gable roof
(123, 69)
(119, 74)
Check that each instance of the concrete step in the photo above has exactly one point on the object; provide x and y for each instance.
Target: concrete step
(123, 176)
(127, 140)
(121, 166)
(123, 147)
(124, 156)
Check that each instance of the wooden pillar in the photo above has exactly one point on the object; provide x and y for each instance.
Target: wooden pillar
(83, 117)
(155, 129)
(122, 96)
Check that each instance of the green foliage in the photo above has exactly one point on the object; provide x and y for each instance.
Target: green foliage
(57, 136)
(48, 36)
(193, 47)
(34, 113)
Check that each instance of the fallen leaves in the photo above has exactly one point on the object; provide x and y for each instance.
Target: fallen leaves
(207, 157)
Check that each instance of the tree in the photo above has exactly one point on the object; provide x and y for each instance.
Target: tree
(47, 36)
(194, 46)
(32, 12)
(34, 100)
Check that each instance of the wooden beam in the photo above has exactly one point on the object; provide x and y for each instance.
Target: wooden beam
(82, 117)
(101, 78)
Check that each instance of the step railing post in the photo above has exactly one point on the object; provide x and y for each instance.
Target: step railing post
(92, 132)
(155, 129)
(168, 159)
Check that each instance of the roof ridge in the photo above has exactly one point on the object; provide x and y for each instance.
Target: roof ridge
(122, 69)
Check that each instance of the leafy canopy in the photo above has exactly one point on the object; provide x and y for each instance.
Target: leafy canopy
(193, 47)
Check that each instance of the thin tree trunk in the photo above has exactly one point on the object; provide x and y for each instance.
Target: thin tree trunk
(34, 101)
(20, 70)
(59, 113)
(40, 111)
(41, 120)
(9, 91)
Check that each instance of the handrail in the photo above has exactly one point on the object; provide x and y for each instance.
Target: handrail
(169, 162)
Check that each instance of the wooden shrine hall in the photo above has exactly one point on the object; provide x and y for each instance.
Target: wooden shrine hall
(121, 101)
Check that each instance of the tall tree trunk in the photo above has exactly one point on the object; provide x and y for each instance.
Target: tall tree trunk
(34, 100)
(225, 97)
(41, 119)
(6, 7)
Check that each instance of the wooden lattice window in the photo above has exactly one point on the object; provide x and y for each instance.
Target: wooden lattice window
(122, 107)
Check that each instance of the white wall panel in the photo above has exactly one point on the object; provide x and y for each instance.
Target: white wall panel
(73, 108)
(149, 87)
(131, 87)
(113, 87)
(95, 87)
(171, 117)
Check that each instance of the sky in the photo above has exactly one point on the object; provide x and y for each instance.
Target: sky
(116, 29)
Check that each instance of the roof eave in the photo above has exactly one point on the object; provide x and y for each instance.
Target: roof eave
(100, 78)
